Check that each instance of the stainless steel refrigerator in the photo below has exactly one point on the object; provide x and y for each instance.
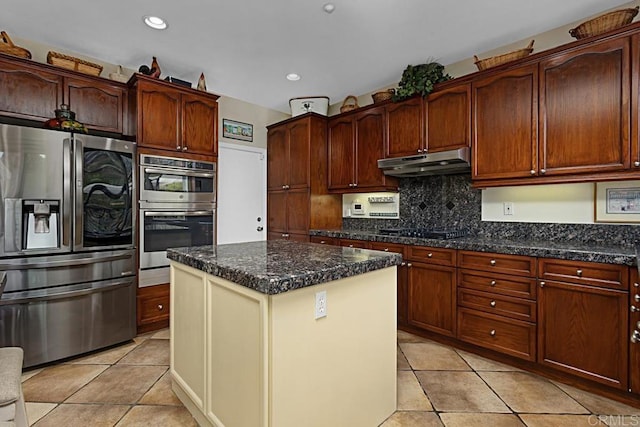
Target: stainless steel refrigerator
(67, 236)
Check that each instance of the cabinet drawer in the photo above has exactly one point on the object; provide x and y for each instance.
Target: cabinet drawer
(388, 247)
(324, 240)
(431, 255)
(521, 287)
(153, 308)
(515, 308)
(349, 243)
(518, 265)
(498, 333)
(586, 273)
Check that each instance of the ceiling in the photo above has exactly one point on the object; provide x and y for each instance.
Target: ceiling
(246, 47)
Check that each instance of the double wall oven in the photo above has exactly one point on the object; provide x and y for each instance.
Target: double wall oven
(177, 209)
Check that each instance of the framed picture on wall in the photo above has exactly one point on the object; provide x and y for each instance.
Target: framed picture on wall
(617, 202)
(237, 130)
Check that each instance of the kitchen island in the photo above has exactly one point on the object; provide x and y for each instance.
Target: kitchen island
(250, 345)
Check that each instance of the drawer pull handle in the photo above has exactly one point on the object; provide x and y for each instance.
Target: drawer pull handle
(579, 273)
(493, 283)
(492, 303)
(492, 262)
(160, 307)
(492, 333)
(429, 255)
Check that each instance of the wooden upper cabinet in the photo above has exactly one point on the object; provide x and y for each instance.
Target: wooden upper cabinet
(585, 109)
(158, 117)
(341, 134)
(29, 92)
(277, 158)
(199, 125)
(505, 124)
(635, 102)
(299, 154)
(98, 105)
(448, 119)
(175, 119)
(370, 136)
(405, 128)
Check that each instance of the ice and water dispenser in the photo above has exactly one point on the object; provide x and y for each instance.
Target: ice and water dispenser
(40, 224)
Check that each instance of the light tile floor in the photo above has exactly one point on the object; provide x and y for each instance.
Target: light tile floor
(129, 385)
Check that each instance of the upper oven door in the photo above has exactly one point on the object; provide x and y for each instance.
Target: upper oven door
(169, 180)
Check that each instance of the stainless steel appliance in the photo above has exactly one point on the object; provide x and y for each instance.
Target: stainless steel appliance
(67, 228)
(440, 163)
(177, 208)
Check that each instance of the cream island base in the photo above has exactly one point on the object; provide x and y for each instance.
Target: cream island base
(242, 358)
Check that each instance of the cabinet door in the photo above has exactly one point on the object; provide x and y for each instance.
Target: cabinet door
(505, 123)
(158, 117)
(277, 158)
(199, 123)
(584, 109)
(583, 330)
(405, 127)
(432, 298)
(448, 123)
(97, 105)
(298, 211)
(28, 93)
(634, 325)
(277, 211)
(370, 133)
(298, 166)
(341, 153)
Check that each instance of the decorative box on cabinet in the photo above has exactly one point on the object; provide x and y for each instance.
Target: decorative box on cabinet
(172, 118)
(297, 198)
(497, 302)
(432, 289)
(356, 141)
(583, 312)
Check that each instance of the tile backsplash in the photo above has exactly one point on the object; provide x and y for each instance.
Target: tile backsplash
(449, 201)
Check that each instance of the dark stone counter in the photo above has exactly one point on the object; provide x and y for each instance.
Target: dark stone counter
(278, 266)
(538, 248)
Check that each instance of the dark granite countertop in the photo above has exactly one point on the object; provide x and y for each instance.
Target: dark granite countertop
(278, 266)
(549, 249)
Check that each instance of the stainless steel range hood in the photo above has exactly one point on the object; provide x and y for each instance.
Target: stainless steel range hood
(441, 163)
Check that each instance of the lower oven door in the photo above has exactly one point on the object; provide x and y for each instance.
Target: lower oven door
(163, 228)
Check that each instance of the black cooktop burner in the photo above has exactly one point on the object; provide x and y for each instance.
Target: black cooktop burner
(425, 233)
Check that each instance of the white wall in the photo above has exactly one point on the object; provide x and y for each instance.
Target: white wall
(240, 111)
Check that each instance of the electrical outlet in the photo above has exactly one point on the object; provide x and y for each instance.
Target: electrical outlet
(507, 208)
(321, 304)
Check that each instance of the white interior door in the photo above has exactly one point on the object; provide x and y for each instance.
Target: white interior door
(242, 202)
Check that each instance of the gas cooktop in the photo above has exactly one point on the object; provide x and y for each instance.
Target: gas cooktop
(425, 233)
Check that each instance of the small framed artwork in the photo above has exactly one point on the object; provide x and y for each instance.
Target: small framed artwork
(617, 201)
(237, 130)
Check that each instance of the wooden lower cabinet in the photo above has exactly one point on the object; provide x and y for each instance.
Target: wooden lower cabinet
(634, 325)
(152, 303)
(324, 240)
(582, 330)
(432, 297)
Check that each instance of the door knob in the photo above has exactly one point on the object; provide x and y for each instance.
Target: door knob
(260, 228)
(259, 219)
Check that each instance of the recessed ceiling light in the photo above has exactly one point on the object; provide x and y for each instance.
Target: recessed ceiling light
(155, 22)
(329, 7)
(293, 77)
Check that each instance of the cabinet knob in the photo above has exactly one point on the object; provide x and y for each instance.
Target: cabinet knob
(160, 307)
(492, 303)
(284, 187)
(355, 184)
(350, 246)
(178, 147)
(184, 148)
(492, 333)
(579, 273)
(635, 337)
(636, 164)
(634, 309)
(635, 285)
(542, 284)
(493, 283)
(386, 249)
(409, 264)
(532, 171)
(543, 171)
(636, 298)
(322, 242)
(429, 255)
(492, 262)
(419, 150)
(403, 264)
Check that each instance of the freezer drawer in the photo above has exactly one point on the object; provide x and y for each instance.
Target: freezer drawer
(70, 321)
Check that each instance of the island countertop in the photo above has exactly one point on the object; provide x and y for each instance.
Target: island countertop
(277, 266)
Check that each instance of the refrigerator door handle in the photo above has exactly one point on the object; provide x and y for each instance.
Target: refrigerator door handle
(68, 202)
(20, 264)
